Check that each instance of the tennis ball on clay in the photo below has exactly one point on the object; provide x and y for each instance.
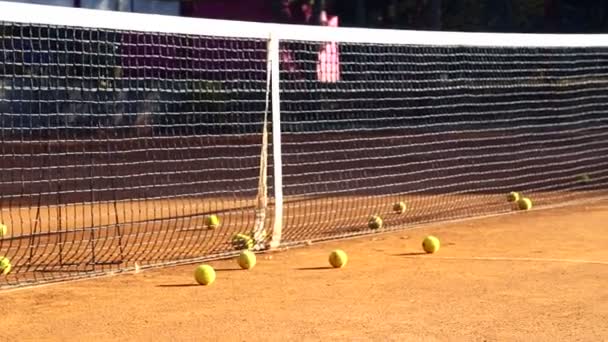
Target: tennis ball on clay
(431, 244)
(246, 260)
(3, 230)
(5, 265)
(513, 196)
(375, 222)
(212, 221)
(338, 258)
(524, 203)
(242, 241)
(204, 275)
(399, 207)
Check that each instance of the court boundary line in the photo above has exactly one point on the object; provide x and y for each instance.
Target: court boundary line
(490, 258)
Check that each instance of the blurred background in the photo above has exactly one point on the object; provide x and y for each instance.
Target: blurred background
(560, 16)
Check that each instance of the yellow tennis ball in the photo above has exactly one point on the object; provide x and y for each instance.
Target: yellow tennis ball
(524, 204)
(3, 230)
(204, 275)
(242, 241)
(513, 196)
(430, 244)
(5, 265)
(247, 260)
(375, 222)
(212, 221)
(399, 207)
(338, 258)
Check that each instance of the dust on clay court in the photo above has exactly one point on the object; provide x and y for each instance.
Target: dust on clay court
(537, 275)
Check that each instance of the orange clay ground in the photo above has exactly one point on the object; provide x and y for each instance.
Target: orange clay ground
(535, 276)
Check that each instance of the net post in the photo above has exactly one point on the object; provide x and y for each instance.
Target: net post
(273, 54)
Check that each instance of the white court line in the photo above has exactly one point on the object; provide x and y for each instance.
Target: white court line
(572, 261)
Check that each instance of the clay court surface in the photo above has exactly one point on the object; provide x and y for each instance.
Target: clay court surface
(535, 276)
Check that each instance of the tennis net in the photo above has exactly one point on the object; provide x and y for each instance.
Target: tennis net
(123, 134)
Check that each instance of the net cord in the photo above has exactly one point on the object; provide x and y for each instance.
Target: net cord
(79, 17)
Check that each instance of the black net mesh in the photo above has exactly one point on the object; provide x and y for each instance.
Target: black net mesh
(448, 131)
(116, 146)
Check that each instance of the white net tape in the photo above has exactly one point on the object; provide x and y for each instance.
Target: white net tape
(122, 141)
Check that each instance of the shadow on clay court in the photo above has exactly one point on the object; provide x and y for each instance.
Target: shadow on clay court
(177, 285)
(409, 254)
(228, 269)
(314, 268)
(191, 284)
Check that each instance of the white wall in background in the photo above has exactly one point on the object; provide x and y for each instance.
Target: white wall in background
(167, 7)
(68, 3)
(102, 4)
